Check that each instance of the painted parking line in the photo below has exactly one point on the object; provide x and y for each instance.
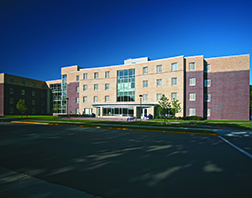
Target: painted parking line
(120, 128)
(236, 147)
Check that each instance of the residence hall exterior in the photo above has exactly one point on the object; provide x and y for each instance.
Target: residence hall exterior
(34, 93)
(213, 88)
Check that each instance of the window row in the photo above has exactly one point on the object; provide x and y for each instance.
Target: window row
(192, 97)
(96, 75)
(159, 82)
(33, 111)
(85, 87)
(33, 102)
(23, 92)
(192, 112)
(192, 82)
(12, 81)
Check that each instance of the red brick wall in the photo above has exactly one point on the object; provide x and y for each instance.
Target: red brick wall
(1, 99)
(198, 104)
(229, 95)
(72, 95)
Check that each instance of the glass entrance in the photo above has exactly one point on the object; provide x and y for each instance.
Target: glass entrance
(144, 112)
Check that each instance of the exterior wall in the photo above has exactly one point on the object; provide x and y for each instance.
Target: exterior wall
(229, 88)
(1, 98)
(15, 82)
(72, 94)
(198, 89)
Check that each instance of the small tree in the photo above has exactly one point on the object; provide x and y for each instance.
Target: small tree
(21, 107)
(164, 105)
(56, 107)
(176, 108)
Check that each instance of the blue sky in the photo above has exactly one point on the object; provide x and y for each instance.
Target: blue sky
(39, 37)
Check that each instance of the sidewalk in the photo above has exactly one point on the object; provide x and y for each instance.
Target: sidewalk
(14, 184)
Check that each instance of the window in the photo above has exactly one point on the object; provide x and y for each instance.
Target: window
(77, 78)
(11, 100)
(106, 86)
(77, 111)
(145, 83)
(145, 97)
(33, 111)
(95, 87)
(88, 111)
(95, 98)
(42, 95)
(22, 92)
(192, 96)
(106, 98)
(174, 96)
(159, 96)
(33, 93)
(11, 110)
(12, 81)
(192, 111)
(174, 81)
(174, 67)
(84, 99)
(207, 68)
(208, 112)
(207, 97)
(192, 81)
(23, 100)
(23, 82)
(33, 102)
(84, 87)
(96, 75)
(159, 68)
(159, 82)
(11, 91)
(207, 82)
(107, 74)
(145, 70)
(192, 66)
(85, 76)
(77, 100)
(77, 89)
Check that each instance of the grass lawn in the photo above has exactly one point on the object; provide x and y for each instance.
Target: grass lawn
(242, 124)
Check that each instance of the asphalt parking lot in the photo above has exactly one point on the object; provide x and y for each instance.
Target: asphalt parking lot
(115, 163)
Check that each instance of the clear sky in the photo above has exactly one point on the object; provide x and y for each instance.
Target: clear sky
(38, 37)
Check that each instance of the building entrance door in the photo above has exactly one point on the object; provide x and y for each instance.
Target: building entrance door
(98, 110)
(144, 112)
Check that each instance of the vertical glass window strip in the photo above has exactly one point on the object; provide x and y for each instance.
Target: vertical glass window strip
(77, 78)
(174, 67)
(126, 85)
(192, 66)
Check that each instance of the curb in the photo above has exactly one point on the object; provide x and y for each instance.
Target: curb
(119, 128)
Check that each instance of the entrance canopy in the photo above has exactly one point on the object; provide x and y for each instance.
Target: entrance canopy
(125, 105)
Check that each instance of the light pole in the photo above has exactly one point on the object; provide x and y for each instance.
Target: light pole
(140, 96)
(67, 105)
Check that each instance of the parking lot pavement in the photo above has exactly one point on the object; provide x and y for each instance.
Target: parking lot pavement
(14, 184)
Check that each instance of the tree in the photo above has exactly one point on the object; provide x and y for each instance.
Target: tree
(56, 107)
(164, 105)
(176, 108)
(21, 106)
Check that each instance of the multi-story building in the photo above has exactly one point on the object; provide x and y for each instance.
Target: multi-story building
(213, 88)
(34, 93)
